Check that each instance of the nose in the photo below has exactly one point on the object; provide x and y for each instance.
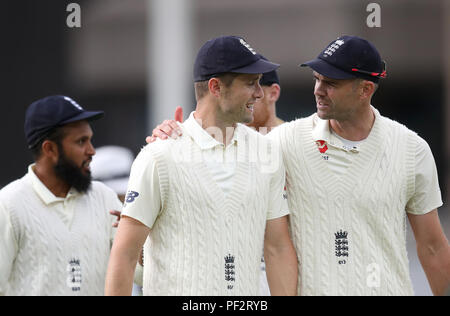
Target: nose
(319, 89)
(259, 92)
(90, 149)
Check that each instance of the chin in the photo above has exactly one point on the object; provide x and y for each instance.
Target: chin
(323, 115)
(87, 174)
(247, 120)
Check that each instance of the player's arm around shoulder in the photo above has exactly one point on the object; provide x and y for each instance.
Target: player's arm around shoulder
(283, 137)
(280, 133)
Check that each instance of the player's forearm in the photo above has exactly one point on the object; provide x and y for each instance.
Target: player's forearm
(281, 270)
(436, 264)
(119, 277)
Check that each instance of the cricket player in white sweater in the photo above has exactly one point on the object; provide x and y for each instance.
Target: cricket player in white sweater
(264, 120)
(353, 178)
(55, 226)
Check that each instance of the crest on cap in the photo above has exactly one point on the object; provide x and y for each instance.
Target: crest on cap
(75, 104)
(330, 50)
(247, 46)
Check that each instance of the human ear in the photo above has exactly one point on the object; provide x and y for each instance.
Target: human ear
(367, 89)
(214, 86)
(275, 91)
(50, 150)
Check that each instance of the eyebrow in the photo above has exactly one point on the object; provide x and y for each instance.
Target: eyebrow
(84, 137)
(332, 81)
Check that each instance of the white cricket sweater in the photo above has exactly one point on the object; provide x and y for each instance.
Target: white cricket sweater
(349, 229)
(204, 242)
(52, 258)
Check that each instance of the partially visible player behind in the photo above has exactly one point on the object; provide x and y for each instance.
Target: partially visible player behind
(264, 112)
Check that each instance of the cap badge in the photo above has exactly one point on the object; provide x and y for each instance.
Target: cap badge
(247, 46)
(333, 47)
(74, 103)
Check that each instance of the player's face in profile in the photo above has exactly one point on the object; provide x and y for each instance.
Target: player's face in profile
(239, 98)
(335, 99)
(75, 156)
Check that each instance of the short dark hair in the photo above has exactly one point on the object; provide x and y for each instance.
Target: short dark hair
(358, 81)
(55, 135)
(201, 87)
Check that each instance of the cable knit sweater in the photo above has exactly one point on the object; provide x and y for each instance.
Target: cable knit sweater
(203, 242)
(52, 258)
(349, 230)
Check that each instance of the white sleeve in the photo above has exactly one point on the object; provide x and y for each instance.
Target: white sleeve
(143, 199)
(277, 204)
(274, 136)
(427, 194)
(8, 248)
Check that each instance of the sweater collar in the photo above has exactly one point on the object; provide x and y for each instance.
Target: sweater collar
(43, 192)
(323, 135)
(202, 138)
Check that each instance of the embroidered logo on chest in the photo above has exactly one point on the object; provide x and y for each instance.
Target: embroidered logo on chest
(322, 145)
(341, 245)
(74, 277)
(229, 271)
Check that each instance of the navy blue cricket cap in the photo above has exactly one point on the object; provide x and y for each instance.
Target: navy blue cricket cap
(269, 78)
(229, 54)
(349, 57)
(45, 114)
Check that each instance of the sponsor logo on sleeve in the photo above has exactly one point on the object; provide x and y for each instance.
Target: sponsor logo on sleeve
(131, 196)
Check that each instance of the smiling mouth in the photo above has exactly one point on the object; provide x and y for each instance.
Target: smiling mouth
(321, 104)
(250, 106)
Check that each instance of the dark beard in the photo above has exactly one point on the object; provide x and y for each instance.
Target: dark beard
(67, 171)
